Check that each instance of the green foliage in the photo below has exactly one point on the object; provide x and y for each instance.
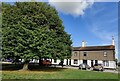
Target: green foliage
(33, 30)
(0, 30)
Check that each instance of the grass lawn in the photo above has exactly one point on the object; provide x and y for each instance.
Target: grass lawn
(54, 73)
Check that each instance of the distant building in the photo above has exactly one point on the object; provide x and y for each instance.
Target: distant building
(94, 55)
(91, 55)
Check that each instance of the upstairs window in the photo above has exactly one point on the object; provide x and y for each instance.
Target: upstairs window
(105, 54)
(75, 54)
(84, 53)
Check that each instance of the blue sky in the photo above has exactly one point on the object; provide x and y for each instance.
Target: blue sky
(97, 26)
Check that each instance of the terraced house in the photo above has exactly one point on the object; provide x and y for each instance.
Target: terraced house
(91, 55)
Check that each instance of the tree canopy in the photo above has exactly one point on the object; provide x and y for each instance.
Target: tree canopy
(33, 30)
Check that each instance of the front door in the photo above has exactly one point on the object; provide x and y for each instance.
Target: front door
(91, 63)
(70, 62)
(84, 61)
(67, 62)
(96, 61)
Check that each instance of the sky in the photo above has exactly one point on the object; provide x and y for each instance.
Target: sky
(96, 26)
(93, 22)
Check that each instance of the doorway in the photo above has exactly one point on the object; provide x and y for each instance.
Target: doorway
(91, 63)
(67, 62)
(96, 62)
(70, 62)
(84, 61)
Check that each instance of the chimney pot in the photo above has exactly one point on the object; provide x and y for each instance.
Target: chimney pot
(113, 41)
(83, 43)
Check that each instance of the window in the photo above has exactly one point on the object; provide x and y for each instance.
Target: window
(75, 61)
(106, 63)
(84, 53)
(75, 54)
(103, 63)
(105, 54)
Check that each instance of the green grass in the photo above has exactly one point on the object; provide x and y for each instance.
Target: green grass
(55, 73)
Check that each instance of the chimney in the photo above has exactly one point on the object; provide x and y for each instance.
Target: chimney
(83, 43)
(113, 41)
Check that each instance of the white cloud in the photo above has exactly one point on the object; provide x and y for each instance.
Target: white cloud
(72, 8)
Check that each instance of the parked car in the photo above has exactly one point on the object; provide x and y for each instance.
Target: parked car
(84, 66)
(98, 67)
(16, 61)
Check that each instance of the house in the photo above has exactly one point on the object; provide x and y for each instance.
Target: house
(91, 55)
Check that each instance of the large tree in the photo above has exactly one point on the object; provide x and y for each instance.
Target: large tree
(33, 30)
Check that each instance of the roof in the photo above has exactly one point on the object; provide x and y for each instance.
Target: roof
(94, 48)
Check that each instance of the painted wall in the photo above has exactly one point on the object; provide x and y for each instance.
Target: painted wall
(112, 64)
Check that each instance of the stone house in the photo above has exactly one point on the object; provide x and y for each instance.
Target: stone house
(91, 55)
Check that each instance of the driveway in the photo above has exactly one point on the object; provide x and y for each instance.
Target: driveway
(111, 71)
(72, 67)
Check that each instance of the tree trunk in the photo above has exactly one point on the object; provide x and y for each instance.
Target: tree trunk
(40, 61)
(25, 66)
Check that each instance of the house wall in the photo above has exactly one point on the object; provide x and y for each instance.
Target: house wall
(94, 55)
(75, 55)
(98, 55)
(91, 55)
(111, 63)
(72, 62)
(57, 61)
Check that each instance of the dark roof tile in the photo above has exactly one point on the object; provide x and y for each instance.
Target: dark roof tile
(93, 48)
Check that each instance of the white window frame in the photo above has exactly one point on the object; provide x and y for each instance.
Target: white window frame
(84, 54)
(105, 54)
(75, 54)
(75, 61)
(106, 63)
